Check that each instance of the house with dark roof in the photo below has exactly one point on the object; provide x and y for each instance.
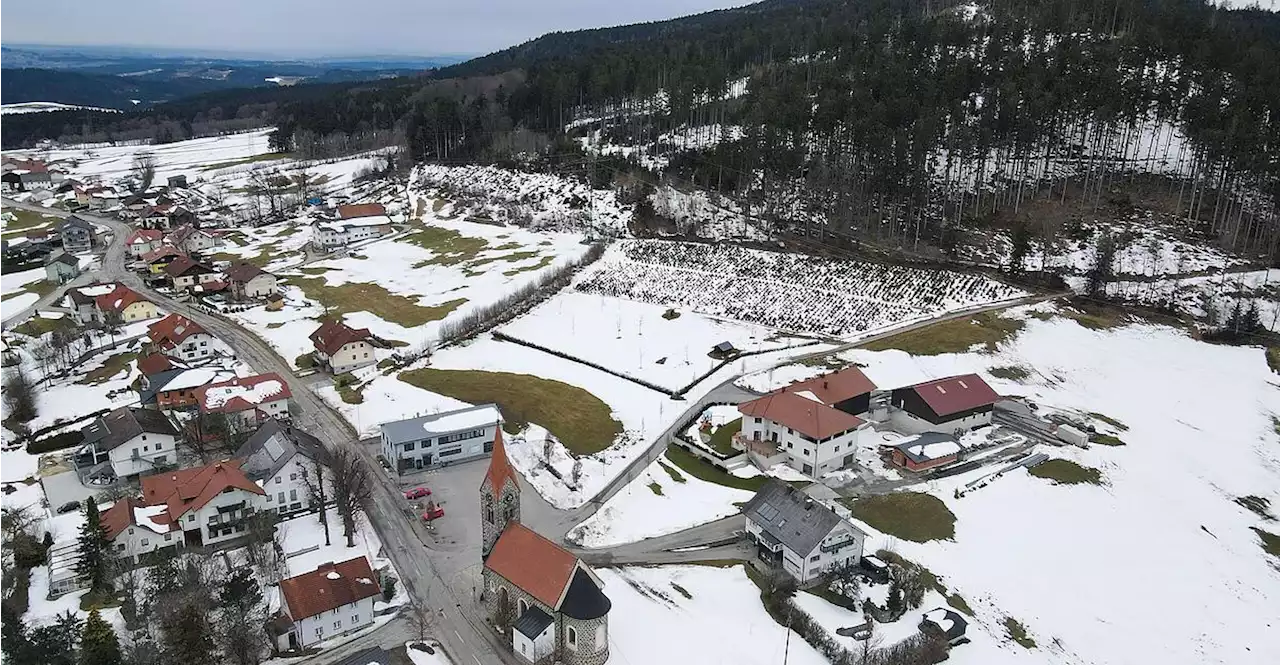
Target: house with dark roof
(946, 624)
(246, 281)
(283, 459)
(952, 405)
(184, 273)
(134, 528)
(334, 599)
(209, 504)
(555, 602)
(159, 258)
(61, 268)
(132, 440)
(77, 235)
(798, 534)
(813, 423)
(175, 389)
(341, 348)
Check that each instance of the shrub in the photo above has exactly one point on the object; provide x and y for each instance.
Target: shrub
(58, 441)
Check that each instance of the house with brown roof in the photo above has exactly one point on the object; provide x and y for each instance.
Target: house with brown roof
(185, 273)
(341, 348)
(181, 338)
(135, 529)
(246, 281)
(156, 216)
(251, 400)
(815, 423)
(208, 504)
(142, 242)
(125, 303)
(334, 599)
(187, 238)
(354, 223)
(547, 599)
(951, 405)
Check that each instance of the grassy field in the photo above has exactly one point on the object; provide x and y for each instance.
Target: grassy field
(1011, 373)
(1110, 421)
(1273, 358)
(1270, 541)
(451, 247)
(957, 336)
(1066, 472)
(908, 515)
(39, 287)
(373, 298)
(703, 470)
(265, 157)
(23, 221)
(1105, 440)
(722, 438)
(114, 364)
(1018, 633)
(580, 420)
(38, 325)
(544, 262)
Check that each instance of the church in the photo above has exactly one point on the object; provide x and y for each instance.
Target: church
(552, 602)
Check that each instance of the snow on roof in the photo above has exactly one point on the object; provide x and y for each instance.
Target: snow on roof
(807, 394)
(342, 226)
(940, 619)
(333, 575)
(461, 420)
(928, 446)
(256, 393)
(144, 516)
(194, 378)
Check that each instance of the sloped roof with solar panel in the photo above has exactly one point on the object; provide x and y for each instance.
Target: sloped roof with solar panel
(790, 516)
(273, 445)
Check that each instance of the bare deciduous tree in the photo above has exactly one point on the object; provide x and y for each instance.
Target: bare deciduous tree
(143, 171)
(352, 488)
(19, 395)
(313, 482)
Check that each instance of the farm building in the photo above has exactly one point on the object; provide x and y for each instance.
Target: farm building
(954, 404)
(249, 282)
(926, 451)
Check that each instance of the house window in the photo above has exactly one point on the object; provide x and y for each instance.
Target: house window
(319, 631)
(168, 537)
(145, 542)
(120, 547)
(279, 480)
(571, 637)
(269, 498)
(158, 445)
(293, 495)
(757, 421)
(804, 452)
(837, 448)
(408, 446)
(815, 557)
(280, 497)
(191, 518)
(145, 449)
(293, 476)
(337, 625)
(788, 445)
(130, 531)
(355, 619)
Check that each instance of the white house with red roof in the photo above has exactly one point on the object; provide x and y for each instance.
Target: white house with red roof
(815, 424)
(135, 528)
(341, 348)
(207, 504)
(950, 405)
(332, 600)
(251, 399)
(181, 338)
(125, 303)
(354, 223)
(142, 242)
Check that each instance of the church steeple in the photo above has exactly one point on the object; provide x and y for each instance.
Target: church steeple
(499, 495)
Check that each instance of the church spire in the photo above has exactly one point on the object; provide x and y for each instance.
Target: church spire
(499, 496)
(500, 469)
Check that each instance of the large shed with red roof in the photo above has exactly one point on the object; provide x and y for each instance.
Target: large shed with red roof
(950, 405)
(334, 599)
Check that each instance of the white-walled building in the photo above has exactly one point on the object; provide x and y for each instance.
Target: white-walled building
(281, 458)
(952, 405)
(334, 599)
(181, 338)
(142, 242)
(135, 441)
(798, 534)
(135, 528)
(249, 282)
(250, 400)
(207, 504)
(452, 436)
(341, 348)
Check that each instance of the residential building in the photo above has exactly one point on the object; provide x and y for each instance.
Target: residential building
(249, 282)
(154, 363)
(83, 303)
(334, 599)
(77, 235)
(133, 440)
(135, 529)
(143, 242)
(953, 405)
(185, 273)
(247, 401)
(812, 422)
(131, 207)
(124, 304)
(442, 438)
(798, 534)
(925, 451)
(175, 389)
(155, 217)
(61, 268)
(189, 239)
(557, 603)
(160, 258)
(210, 503)
(341, 348)
(283, 459)
(327, 235)
(181, 338)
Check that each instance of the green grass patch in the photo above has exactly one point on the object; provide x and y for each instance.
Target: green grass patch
(1270, 541)
(437, 205)
(1259, 505)
(351, 395)
(1273, 358)
(304, 361)
(827, 362)
(655, 488)
(451, 247)
(1094, 317)
(1018, 633)
(675, 475)
(1066, 472)
(38, 325)
(722, 438)
(265, 157)
(580, 420)
(704, 470)
(112, 366)
(988, 329)
(25, 220)
(544, 262)
(1010, 373)
(39, 287)
(1105, 440)
(373, 298)
(275, 324)
(912, 516)
(1110, 421)
(313, 270)
(960, 604)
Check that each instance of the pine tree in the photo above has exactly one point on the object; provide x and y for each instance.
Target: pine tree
(19, 395)
(1104, 254)
(14, 642)
(894, 603)
(98, 643)
(1021, 239)
(93, 548)
(188, 636)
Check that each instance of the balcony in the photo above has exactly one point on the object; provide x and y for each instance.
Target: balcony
(836, 547)
(761, 447)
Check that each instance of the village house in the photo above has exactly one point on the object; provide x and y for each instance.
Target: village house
(210, 503)
(185, 273)
(925, 451)
(181, 338)
(125, 305)
(155, 217)
(175, 388)
(160, 259)
(84, 305)
(247, 401)
(187, 238)
(452, 436)
(135, 529)
(77, 235)
(132, 206)
(556, 603)
(143, 242)
(26, 175)
(61, 268)
(341, 348)
(176, 181)
(281, 459)
(952, 405)
(133, 440)
(353, 224)
(334, 599)
(799, 535)
(153, 363)
(246, 281)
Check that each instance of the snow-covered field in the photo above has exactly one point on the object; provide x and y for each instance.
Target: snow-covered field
(1160, 554)
(302, 539)
(182, 157)
(786, 291)
(41, 107)
(721, 620)
(634, 337)
(14, 284)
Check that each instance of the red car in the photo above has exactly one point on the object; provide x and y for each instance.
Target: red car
(433, 511)
(417, 493)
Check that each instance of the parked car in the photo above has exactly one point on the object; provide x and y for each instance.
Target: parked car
(433, 511)
(874, 570)
(383, 461)
(417, 493)
(69, 507)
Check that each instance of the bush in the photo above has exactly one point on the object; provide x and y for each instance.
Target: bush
(58, 441)
(305, 361)
(388, 589)
(343, 380)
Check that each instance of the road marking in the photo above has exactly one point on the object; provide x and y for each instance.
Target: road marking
(473, 657)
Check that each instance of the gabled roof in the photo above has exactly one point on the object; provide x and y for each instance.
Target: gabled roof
(790, 516)
(75, 222)
(328, 587)
(119, 299)
(538, 566)
(459, 420)
(955, 394)
(154, 363)
(183, 233)
(173, 330)
(190, 489)
(330, 337)
(161, 252)
(243, 272)
(242, 393)
(184, 265)
(361, 210)
(144, 236)
(813, 419)
(131, 511)
(500, 469)
(63, 258)
(123, 424)
(835, 387)
(273, 445)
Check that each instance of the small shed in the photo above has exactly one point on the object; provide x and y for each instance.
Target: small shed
(176, 181)
(275, 302)
(945, 623)
(724, 348)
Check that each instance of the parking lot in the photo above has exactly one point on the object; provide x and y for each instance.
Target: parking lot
(456, 489)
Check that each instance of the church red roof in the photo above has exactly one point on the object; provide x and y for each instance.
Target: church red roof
(500, 469)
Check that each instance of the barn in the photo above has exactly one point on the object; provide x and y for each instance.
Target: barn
(951, 405)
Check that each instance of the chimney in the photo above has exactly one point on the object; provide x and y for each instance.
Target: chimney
(808, 503)
(824, 384)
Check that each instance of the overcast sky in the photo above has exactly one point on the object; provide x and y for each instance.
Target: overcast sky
(324, 27)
